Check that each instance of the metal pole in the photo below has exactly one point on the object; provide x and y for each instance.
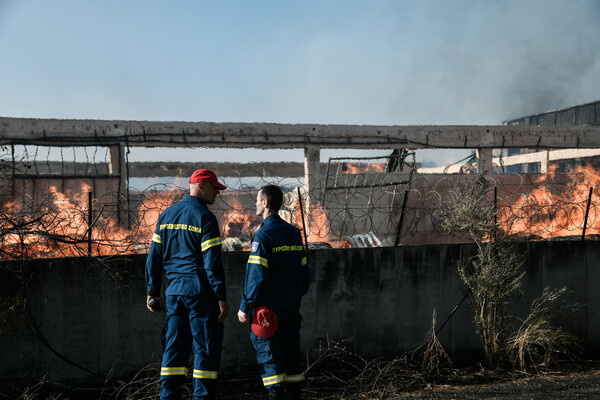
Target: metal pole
(326, 182)
(495, 211)
(587, 211)
(90, 222)
(127, 183)
(14, 169)
(302, 215)
(399, 230)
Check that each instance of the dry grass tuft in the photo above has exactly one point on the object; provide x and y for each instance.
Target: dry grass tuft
(539, 337)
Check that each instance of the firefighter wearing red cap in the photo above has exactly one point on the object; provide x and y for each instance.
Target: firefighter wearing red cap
(186, 246)
(277, 277)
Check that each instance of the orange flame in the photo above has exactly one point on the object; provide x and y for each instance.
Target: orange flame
(59, 227)
(318, 227)
(554, 209)
(360, 168)
(238, 221)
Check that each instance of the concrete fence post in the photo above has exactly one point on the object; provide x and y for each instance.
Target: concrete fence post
(312, 179)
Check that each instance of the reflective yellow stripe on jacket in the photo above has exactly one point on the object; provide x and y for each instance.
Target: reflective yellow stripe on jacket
(210, 243)
(258, 260)
(156, 238)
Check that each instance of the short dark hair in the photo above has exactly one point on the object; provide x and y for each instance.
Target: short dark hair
(274, 196)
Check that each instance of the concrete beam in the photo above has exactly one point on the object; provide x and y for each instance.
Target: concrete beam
(57, 132)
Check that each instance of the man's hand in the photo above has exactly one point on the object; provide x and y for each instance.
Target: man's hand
(157, 306)
(224, 307)
(243, 317)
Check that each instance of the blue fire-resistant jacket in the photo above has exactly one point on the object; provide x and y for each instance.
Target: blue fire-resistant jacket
(187, 246)
(277, 275)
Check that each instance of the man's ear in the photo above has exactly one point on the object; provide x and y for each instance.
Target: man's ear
(193, 188)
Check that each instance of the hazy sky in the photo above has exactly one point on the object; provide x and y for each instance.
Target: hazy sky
(340, 61)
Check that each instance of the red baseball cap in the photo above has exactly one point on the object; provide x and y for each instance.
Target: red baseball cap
(264, 322)
(206, 175)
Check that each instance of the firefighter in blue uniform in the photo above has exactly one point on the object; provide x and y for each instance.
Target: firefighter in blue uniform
(186, 245)
(277, 277)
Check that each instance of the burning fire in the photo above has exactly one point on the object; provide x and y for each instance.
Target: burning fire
(361, 168)
(318, 228)
(238, 221)
(554, 209)
(59, 224)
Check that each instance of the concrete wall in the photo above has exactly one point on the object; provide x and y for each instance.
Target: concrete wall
(93, 313)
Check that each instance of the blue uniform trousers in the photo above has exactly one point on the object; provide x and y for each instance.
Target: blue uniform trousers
(279, 357)
(190, 322)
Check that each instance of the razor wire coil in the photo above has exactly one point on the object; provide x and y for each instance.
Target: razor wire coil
(364, 209)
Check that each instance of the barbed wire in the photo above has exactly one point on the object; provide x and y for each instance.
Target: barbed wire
(356, 205)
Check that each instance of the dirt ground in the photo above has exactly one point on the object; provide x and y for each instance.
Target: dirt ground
(565, 384)
(574, 381)
(573, 386)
